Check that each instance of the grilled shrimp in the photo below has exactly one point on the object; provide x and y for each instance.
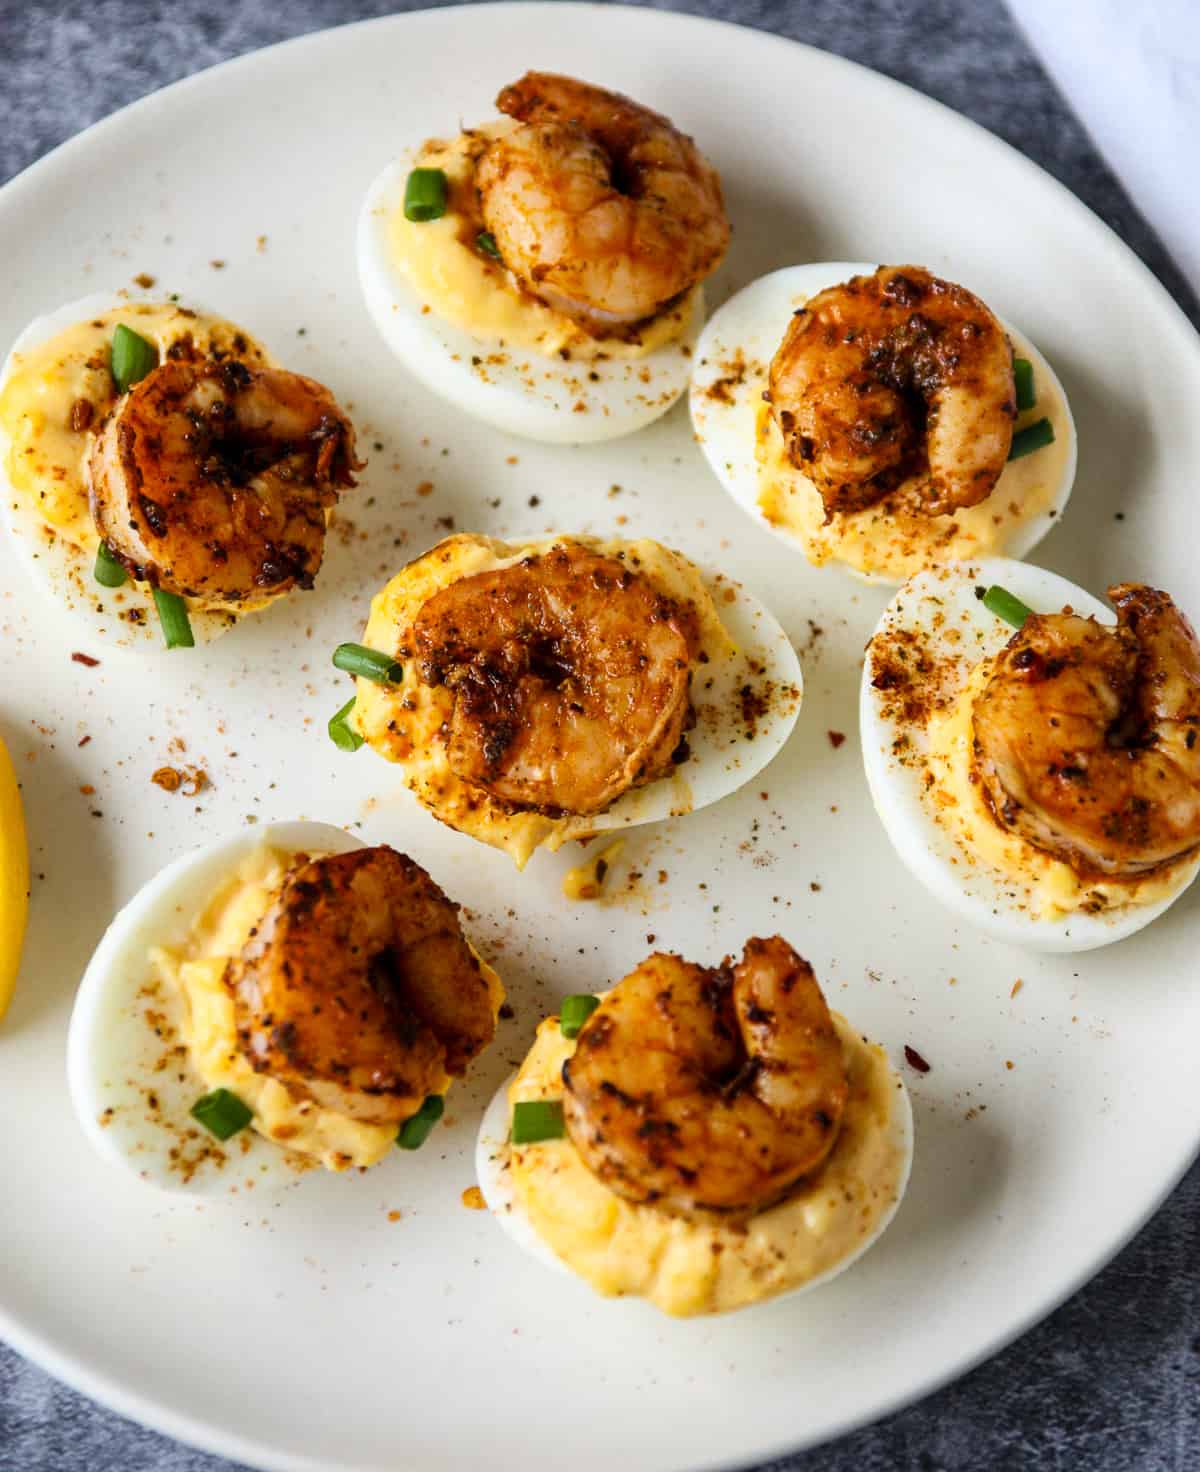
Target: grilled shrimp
(1087, 737)
(708, 1090)
(597, 205)
(357, 988)
(895, 380)
(212, 479)
(570, 676)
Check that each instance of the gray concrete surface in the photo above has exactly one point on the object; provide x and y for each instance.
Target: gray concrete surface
(1112, 1380)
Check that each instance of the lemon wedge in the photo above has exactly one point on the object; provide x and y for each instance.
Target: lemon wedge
(14, 879)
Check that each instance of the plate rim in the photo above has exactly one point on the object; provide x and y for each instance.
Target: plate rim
(42, 1349)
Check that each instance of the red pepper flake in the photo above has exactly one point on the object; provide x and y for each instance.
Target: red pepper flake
(1016, 987)
(85, 659)
(88, 790)
(914, 1059)
(836, 738)
(83, 740)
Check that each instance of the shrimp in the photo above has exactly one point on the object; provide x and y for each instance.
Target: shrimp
(1087, 737)
(212, 479)
(357, 989)
(570, 676)
(708, 1090)
(598, 206)
(896, 382)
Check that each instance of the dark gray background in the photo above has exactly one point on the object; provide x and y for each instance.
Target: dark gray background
(1112, 1380)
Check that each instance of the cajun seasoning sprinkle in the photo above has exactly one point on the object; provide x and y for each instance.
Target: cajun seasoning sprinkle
(914, 1059)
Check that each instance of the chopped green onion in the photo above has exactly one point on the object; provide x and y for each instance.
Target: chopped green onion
(1023, 378)
(1005, 605)
(537, 1119)
(108, 572)
(1033, 437)
(130, 358)
(485, 242)
(173, 616)
(222, 1113)
(425, 195)
(417, 1127)
(574, 1012)
(341, 732)
(357, 659)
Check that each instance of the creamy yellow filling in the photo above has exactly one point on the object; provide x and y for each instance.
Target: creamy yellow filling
(209, 1028)
(406, 723)
(586, 881)
(454, 280)
(876, 542)
(1047, 887)
(697, 1267)
(45, 436)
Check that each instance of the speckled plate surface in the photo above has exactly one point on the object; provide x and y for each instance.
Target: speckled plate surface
(374, 1323)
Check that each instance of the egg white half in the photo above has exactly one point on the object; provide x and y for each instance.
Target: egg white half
(955, 626)
(752, 324)
(582, 401)
(725, 751)
(495, 1181)
(61, 570)
(112, 1052)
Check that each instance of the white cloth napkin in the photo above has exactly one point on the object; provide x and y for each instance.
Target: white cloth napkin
(1131, 71)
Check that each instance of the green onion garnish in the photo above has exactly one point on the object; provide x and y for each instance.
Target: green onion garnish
(425, 195)
(537, 1119)
(485, 241)
(1023, 378)
(1033, 437)
(108, 572)
(574, 1012)
(357, 659)
(130, 358)
(341, 732)
(222, 1113)
(417, 1127)
(1005, 605)
(173, 616)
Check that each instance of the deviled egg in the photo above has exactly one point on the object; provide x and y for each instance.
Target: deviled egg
(883, 419)
(538, 692)
(279, 1000)
(542, 272)
(163, 476)
(704, 1138)
(1043, 781)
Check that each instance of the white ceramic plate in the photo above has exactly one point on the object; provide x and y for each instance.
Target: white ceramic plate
(316, 1331)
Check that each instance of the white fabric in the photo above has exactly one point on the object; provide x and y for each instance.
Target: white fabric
(1131, 71)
